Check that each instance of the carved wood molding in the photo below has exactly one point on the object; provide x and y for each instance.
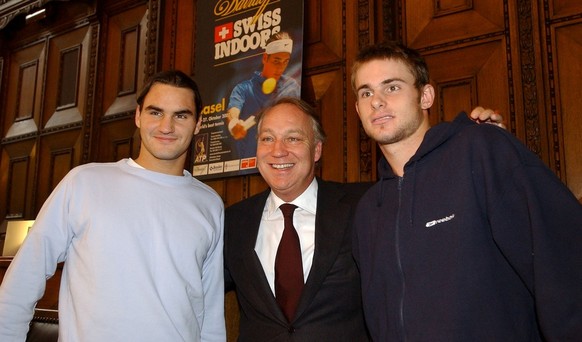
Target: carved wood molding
(528, 75)
(391, 20)
(510, 81)
(363, 23)
(366, 143)
(552, 91)
(90, 95)
(154, 13)
(174, 33)
(9, 10)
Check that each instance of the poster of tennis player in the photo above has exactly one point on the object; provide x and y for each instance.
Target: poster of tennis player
(248, 54)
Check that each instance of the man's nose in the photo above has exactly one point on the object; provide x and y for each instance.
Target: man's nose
(167, 124)
(279, 148)
(378, 100)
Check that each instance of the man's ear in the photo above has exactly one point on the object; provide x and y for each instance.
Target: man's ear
(427, 96)
(318, 148)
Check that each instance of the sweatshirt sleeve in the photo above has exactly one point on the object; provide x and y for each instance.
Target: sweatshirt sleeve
(213, 328)
(537, 223)
(35, 262)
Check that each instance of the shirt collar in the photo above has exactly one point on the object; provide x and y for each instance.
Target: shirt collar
(133, 163)
(306, 201)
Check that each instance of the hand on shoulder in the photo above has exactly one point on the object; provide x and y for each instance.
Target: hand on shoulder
(487, 115)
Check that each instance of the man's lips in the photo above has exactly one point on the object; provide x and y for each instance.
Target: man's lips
(166, 139)
(282, 166)
(382, 119)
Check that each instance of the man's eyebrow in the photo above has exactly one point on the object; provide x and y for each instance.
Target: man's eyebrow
(363, 86)
(158, 109)
(386, 81)
(396, 79)
(390, 80)
(184, 111)
(155, 108)
(286, 132)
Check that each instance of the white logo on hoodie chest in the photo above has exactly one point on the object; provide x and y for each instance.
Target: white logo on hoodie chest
(441, 220)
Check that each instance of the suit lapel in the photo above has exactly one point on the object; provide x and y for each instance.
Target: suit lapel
(331, 221)
(253, 269)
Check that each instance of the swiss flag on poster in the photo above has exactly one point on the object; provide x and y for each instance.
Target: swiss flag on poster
(223, 32)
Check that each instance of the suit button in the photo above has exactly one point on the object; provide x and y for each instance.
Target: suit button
(291, 330)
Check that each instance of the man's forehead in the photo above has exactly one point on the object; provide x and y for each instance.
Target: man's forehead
(381, 71)
(293, 121)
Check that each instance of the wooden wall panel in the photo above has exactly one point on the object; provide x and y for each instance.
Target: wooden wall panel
(25, 98)
(437, 22)
(64, 108)
(465, 46)
(18, 173)
(177, 51)
(58, 153)
(67, 63)
(561, 39)
(18, 179)
(24, 90)
(124, 60)
(568, 67)
(21, 116)
(328, 91)
(117, 138)
(561, 8)
(467, 76)
(61, 163)
(324, 81)
(125, 73)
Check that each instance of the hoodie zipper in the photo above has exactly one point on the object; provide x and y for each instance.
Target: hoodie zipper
(397, 249)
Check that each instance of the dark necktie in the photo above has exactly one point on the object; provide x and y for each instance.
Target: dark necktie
(288, 266)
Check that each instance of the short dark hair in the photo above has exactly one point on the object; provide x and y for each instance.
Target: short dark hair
(397, 51)
(174, 78)
(318, 132)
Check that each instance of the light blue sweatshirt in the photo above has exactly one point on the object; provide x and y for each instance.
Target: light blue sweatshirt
(143, 258)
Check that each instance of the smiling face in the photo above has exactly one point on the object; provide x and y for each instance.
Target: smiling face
(390, 107)
(166, 122)
(287, 150)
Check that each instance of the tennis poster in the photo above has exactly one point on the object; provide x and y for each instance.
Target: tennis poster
(248, 54)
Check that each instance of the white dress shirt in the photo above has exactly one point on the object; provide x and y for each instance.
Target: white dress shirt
(271, 230)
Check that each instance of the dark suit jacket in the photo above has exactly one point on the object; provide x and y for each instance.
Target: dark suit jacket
(330, 308)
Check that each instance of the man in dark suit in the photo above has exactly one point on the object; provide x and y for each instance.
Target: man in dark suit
(289, 145)
(290, 140)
